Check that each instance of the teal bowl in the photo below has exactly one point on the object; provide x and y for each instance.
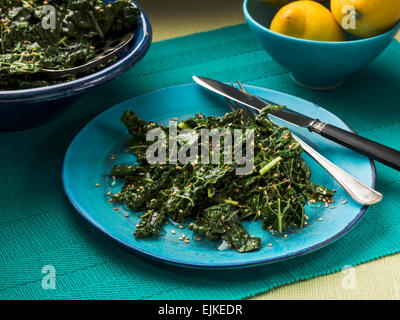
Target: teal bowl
(313, 64)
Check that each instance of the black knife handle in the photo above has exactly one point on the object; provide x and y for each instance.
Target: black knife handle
(371, 149)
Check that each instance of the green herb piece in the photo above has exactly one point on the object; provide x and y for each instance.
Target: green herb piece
(269, 165)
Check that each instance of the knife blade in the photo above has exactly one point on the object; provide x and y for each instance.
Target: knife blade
(369, 148)
(253, 102)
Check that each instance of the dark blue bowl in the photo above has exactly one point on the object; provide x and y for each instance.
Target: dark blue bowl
(28, 108)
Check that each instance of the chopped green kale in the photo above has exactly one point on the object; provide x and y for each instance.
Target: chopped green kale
(32, 37)
(217, 199)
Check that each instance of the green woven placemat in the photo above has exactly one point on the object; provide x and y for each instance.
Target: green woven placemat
(38, 226)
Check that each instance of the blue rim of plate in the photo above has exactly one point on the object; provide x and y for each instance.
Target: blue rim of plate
(91, 80)
(209, 266)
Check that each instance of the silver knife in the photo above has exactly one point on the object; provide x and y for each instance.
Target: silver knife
(369, 148)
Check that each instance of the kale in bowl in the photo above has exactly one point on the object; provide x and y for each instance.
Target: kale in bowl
(38, 101)
(55, 34)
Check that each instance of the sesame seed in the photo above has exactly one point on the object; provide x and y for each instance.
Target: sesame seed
(115, 209)
(126, 215)
(345, 201)
(285, 235)
(187, 241)
(320, 219)
(333, 207)
(269, 244)
(181, 227)
(173, 231)
(97, 185)
(198, 239)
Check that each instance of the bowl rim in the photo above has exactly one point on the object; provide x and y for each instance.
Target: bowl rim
(68, 88)
(249, 17)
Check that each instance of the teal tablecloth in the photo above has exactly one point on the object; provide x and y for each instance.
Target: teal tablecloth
(38, 226)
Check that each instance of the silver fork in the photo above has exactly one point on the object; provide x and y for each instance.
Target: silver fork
(354, 187)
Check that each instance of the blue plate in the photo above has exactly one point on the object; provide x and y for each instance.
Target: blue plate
(87, 163)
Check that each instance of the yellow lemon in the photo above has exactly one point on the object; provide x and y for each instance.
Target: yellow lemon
(371, 17)
(307, 20)
(280, 3)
